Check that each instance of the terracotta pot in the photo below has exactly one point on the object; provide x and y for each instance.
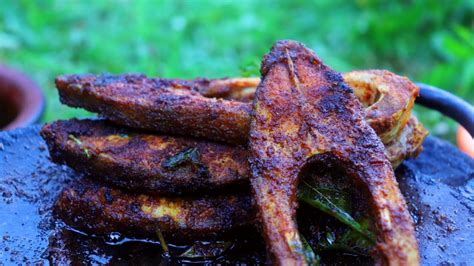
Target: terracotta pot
(21, 99)
(465, 141)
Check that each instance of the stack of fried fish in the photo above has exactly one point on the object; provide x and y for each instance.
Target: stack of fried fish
(181, 160)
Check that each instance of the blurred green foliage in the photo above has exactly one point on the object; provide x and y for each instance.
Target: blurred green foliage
(428, 41)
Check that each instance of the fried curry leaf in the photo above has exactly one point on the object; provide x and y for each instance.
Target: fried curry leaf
(311, 257)
(203, 250)
(352, 240)
(348, 241)
(79, 143)
(163, 243)
(321, 200)
(187, 156)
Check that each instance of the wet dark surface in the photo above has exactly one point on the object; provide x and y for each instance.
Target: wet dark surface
(438, 185)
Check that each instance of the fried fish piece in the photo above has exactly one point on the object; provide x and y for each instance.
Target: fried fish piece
(143, 162)
(158, 164)
(407, 144)
(387, 98)
(91, 207)
(181, 107)
(170, 106)
(221, 88)
(304, 112)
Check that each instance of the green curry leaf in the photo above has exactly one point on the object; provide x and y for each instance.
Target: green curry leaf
(319, 199)
(349, 241)
(311, 257)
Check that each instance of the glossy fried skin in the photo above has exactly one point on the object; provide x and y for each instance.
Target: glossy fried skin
(184, 107)
(143, 162)
(304, 111)
(97, 209)
(165, 105)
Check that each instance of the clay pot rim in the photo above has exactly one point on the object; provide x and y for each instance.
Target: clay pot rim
(32, 101)
(465, 141)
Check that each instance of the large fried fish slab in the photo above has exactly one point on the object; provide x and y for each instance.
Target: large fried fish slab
(93, 208)
(139, 161)
(175, 107)
(304, 111)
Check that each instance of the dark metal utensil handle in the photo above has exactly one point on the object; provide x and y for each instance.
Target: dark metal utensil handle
(448, 104)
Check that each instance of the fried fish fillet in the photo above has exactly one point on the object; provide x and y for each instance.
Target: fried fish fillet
(170, 106)
(90, 207)
(407, 144)
(303, 112)
(387, 98)
(157, 164)
(99, 210)
(143, 162)
(221, 88)
(180, 107)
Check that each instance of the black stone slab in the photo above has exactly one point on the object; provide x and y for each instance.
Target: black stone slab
(438, 185)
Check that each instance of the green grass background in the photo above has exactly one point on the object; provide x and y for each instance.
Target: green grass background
(428, 41)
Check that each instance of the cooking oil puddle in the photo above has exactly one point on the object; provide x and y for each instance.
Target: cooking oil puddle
(200, 252)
